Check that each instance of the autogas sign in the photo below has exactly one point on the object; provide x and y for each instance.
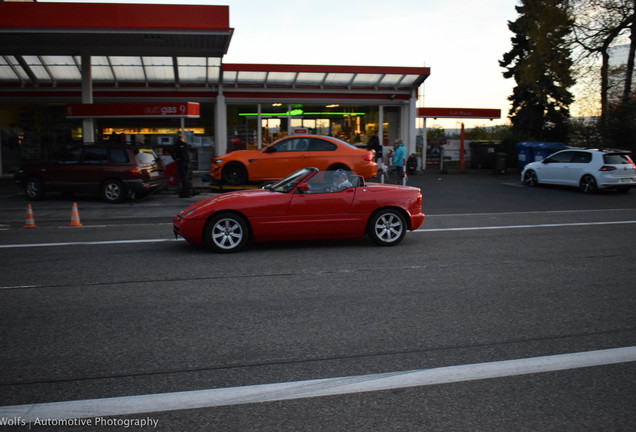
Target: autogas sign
(134, 110)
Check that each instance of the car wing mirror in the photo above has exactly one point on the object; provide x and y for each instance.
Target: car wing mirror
(269, 150)
(302, 188)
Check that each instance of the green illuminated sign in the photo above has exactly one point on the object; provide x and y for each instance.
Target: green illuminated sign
(299, 112)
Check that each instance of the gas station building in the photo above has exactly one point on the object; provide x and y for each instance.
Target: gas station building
(90, 72)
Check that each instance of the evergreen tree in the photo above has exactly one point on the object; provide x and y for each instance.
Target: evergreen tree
(540, 63)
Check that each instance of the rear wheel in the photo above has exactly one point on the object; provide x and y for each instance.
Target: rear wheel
(235, 174)
(226, 232)
(113, 191)
(387, 227)
(588, 184)
(33, 188)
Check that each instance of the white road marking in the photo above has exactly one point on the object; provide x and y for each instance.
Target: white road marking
(501, 227)
(610, 210)
(127, 405)
(477, 228)
(89, 243)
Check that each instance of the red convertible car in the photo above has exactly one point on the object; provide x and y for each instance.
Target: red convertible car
(306, 205)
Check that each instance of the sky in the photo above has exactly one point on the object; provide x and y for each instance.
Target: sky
(461, 41)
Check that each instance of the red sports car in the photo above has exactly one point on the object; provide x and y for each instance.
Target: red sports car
(306, 205)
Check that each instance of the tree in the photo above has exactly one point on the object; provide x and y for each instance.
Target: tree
(629, 72)
(540, 63)
(436, 133)
(599, 24)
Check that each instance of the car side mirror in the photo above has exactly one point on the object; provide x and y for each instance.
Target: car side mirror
(270, 150)
(302, 188)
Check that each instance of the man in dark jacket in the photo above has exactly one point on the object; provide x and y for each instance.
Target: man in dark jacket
(181, 154)
(374, 144)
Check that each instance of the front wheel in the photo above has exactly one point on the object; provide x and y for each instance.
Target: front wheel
(387, 227)
(235, 174)
(588, 184)
(33, 188)
(226, 232)
(530, 178)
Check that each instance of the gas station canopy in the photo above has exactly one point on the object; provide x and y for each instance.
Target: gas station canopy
(42, 45)
(30, 28)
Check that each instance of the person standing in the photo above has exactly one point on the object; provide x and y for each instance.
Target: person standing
(374, 144)
(181, 154)
(399, 155)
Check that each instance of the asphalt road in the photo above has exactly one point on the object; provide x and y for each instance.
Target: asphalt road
(498, 272)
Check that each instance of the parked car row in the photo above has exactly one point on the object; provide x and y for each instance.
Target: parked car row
(116, 172)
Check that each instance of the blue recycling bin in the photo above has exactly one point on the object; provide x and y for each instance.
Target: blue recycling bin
(524, 154)
(532, 151)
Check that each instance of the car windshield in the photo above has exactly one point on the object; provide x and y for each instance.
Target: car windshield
(288, 183)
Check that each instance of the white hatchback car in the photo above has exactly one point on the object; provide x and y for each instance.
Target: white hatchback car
(587, 169)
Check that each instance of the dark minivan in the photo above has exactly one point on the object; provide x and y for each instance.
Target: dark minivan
(113, 172)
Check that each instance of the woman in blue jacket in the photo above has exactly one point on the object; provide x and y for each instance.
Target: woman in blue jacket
(398, 160)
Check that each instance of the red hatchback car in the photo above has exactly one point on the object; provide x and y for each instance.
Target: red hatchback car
(112, 171)
(307, 205)
(289, 154)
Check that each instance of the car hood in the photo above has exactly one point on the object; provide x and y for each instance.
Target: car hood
(222, 200)
(239, 154)
(532, 165)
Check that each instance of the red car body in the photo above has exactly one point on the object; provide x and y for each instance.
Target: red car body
(299, 207)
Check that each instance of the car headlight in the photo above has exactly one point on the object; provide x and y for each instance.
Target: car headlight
(185, 214)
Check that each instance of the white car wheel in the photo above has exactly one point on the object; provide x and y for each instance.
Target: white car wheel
(226, 232)
(387, 227)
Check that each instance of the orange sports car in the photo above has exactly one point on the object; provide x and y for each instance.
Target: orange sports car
(290, 154)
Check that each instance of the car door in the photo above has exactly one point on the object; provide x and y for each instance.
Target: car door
(281, 159)
(555, 168)
(92, 169)
(318, 213)
(61, 174)
(579, 165)
(321, 153)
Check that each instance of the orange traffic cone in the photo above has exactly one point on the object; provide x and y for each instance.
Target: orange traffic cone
(29, 222)
(75, 220)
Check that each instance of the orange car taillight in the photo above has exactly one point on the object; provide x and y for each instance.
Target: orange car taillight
(135, 170)
(367, 157)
